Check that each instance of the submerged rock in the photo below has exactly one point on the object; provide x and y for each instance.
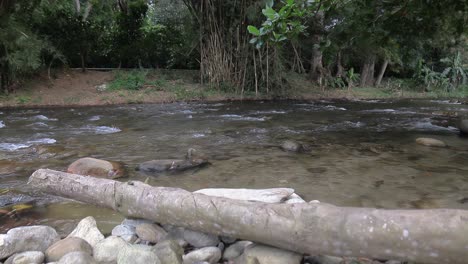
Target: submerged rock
(431, 142)
(463, 126)
(97, 168)
(191, 161)
(235, 250)
(292, 146)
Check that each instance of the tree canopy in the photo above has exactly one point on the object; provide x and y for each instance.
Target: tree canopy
(242, 45)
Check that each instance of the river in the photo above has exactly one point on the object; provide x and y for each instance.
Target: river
(362, 153)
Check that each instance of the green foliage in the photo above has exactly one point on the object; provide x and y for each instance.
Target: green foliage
(285, 24)
(131, 80)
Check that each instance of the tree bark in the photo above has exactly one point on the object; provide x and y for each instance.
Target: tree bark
(367, 72)
(427, 236)
(339, 66)
(383, 68)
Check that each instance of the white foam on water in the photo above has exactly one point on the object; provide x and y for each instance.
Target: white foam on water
(42, 141)
(332, 107)
(44, 118)
(27, 144)
(12, 146)
(379, 111)
(198, 135)
(102, 130)
(244, 118)
(269, 112)
(2, 124)
(188, 112)
(95, 118)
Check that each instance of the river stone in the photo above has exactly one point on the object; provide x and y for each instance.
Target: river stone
(126, 232)
(28, 257)
(87, 230)
(200, 240)
(431, 142)
(137, 254)
(208, 254)
(323, 259)
(175, 233)
(27, 238)
(150, 232)
(227, 239)
(269, 255)
(96, 168)
(105, 251)
(169, 252)
(294, 198)
(135, 222)
(274, 195)
(463, 126)
(67, 245)
(292, 146)
(235, 250)
(77, 257)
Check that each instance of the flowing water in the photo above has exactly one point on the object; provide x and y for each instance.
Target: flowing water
(361, 153)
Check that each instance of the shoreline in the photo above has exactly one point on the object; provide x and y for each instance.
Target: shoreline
(179, 86)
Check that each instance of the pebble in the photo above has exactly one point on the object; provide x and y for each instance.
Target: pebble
(67, 245)
(104, 251)
(27, 238)
(150, 232)
(87, 230)
(200, 240)
(209, 254)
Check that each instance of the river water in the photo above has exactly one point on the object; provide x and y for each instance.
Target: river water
(361, 154)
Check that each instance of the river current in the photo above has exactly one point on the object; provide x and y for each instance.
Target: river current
(362, 153)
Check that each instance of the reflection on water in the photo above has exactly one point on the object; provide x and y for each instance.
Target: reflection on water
(362, 153)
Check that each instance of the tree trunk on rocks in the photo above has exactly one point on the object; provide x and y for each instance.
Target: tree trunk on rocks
(426, 236)
(367, 72)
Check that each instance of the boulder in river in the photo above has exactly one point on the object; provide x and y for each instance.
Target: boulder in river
(87, 230)
(269, 255)
(463, 126)
(431, 142)
(97, 168)
(292, 146)
(164, 165)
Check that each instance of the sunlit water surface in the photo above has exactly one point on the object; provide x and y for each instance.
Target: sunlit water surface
(361, 153)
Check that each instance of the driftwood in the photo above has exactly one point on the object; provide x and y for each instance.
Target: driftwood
(425, 236)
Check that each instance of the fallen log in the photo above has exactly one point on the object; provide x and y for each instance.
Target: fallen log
(425, 236)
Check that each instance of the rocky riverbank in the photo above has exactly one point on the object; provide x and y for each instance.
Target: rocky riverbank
(142, 241)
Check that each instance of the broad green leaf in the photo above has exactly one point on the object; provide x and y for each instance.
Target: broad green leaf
(253, 30)
(269, 12)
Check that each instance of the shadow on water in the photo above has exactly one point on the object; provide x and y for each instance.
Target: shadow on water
(360, 153)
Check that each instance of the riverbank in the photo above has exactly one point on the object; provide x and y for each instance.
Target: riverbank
(96, 88)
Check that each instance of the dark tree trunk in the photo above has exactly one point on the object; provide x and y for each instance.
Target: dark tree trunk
(316, 64)
(339, 66)
(367, 71)
(383, 68)
(83, 61)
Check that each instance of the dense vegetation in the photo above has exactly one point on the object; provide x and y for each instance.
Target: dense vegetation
(247, 45)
